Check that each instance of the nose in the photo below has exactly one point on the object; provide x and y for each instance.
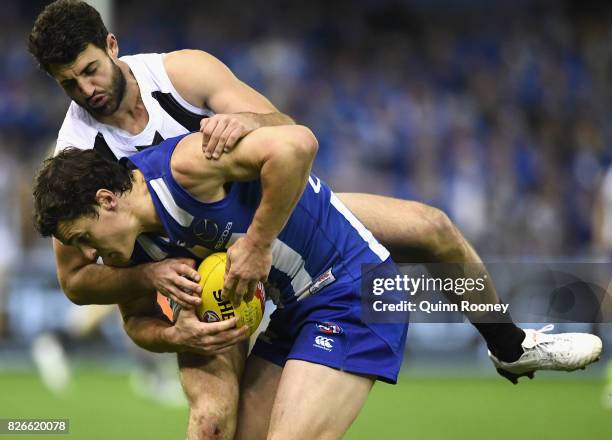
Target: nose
(86, 87)
(89, 252)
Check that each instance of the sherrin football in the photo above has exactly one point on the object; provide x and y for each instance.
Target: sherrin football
(213, 308)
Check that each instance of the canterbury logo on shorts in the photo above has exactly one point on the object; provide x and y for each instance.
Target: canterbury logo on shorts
(324, 343)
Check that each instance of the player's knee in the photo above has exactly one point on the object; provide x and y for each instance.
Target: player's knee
(208, 422)
(443, 239)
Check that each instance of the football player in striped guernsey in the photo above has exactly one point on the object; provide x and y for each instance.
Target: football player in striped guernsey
(318, 357)
(122, 105)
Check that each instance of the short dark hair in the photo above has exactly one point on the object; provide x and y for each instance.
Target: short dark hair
(63, 30)
(65, 189)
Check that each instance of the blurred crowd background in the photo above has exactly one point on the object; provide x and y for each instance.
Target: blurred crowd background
(497, 112)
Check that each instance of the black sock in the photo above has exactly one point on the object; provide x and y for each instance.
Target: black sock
(502, 336)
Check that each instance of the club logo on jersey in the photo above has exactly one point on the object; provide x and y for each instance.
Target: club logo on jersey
(224, 236)
(329, 328)
(205, 229)
(324, 343)
(210, 316)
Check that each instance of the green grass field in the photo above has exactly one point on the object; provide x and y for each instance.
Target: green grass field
(101, 406)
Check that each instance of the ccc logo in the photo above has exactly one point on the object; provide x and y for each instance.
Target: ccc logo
(324, 342)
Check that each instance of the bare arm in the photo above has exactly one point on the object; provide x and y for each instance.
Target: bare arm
(85, 282)
(148, 327)
(203, 80)
(281, 157)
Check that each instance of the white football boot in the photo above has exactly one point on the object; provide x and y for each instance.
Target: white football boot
(559, 352)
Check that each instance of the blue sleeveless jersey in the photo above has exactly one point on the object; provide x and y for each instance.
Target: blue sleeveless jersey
(321, 241)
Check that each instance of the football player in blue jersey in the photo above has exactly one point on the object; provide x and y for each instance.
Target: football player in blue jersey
(113, 206)
(71, 43)
(311, 372)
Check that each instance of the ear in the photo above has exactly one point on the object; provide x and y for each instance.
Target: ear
(112, 46)
(107, 200)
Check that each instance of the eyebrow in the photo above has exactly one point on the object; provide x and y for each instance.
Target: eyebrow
(70, 238)
(76, 237)
(66, 241)
(65, 82)
(87, 66)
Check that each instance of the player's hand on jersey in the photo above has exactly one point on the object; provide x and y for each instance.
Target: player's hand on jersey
(207, 338)
(247, 264)
(177, 279)
(221, 133)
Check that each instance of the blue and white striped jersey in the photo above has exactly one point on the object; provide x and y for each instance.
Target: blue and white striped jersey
(320, 235)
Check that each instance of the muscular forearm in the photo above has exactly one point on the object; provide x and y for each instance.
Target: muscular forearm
(101, 284)
(151, 333)
(269, 119)
(283, 178)
(146, 325)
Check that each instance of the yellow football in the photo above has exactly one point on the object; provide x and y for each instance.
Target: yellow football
(213, 308)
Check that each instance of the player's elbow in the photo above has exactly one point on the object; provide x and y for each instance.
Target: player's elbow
(307, 140)
(293, 146)
(72, 292)
(75, 296)
(301, 142)
(129, 326)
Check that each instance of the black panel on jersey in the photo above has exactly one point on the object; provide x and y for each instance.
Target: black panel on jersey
(188, 119)
(157, 139)
(103, 149)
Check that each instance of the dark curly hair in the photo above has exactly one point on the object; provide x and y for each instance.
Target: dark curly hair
(65, 189)
(63, 30)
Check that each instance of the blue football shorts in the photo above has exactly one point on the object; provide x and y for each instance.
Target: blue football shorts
(326, 328)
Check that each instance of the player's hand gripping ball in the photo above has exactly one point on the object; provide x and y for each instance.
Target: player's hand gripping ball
(213, 308)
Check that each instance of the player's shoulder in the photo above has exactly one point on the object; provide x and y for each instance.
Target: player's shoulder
(186, 153)
(188, 161)
(190, 62)
(191, 170)
(148, 60)
(79, 129)
(183, 56)
(147, 66)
